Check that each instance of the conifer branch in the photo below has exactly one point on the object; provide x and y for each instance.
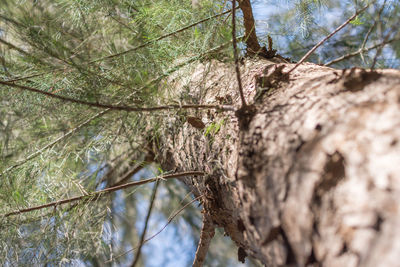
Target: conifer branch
(159, 38)
(16, 79)
(129, 50)
(327, 38)
(101, 113)
(118, 107)
(10, 45)
(20, 50)
(98, 194)
(359, 51)
(41, 150)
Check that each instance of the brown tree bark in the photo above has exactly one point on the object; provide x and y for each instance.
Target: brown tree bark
(313, 178)
(250, 37)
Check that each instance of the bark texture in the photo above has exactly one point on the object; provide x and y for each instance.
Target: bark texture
(313, 178)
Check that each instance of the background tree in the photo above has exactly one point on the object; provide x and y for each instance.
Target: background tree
(94, 91)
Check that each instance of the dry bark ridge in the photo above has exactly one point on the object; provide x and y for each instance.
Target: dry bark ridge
(314, 179)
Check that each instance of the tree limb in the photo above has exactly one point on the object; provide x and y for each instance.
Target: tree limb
(250, 37)
(116, 107)
(98, 194)
(206, 234)
(235, 53)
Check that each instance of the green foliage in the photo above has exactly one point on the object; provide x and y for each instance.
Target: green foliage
(85, 50)
(126, 53)
(357, 21)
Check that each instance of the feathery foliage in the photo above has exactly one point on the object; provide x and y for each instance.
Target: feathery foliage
(121, 53)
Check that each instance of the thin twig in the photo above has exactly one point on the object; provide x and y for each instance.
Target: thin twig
(359, 51)
(98, 194)
(146, 223)
(32, 75)
(20, 50)
(122, 23)
(157, 233)
(379, 50)
(130, 173)
(327, 37)
(373, 26)
(370, 30)
(38, 152)
(235, 53)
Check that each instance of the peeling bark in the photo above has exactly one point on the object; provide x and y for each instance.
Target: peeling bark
(314, 178)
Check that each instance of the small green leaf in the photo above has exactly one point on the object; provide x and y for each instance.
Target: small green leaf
(356, 21)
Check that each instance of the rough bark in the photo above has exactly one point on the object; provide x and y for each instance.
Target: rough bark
(313, 180)
(250, 37)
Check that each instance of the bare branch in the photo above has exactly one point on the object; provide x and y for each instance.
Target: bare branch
(235, 54)
(146, 223)
(373, 26)
(380, 48)
(253, 47)
(98, 194)
(327, 38)
(131, 172)
(206, 234)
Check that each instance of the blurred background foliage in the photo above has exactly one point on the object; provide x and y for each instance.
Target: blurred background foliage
(109, 51)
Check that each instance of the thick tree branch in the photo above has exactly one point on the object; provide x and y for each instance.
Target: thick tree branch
(206, 234)
(250, 37)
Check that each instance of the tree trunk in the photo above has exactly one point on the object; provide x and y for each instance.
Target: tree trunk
(313, 178)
